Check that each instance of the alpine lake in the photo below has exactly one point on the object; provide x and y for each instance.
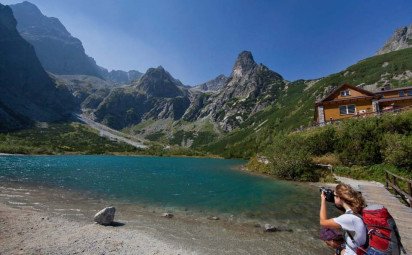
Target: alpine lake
(211, 195)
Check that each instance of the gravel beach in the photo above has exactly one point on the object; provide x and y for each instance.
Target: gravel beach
(44, 220)
(25, 231)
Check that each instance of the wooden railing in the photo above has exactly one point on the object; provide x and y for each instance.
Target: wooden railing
(392, 182)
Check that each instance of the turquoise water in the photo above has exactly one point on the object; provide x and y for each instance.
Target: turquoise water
(181, 184)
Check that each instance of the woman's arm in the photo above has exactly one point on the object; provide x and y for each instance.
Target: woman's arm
(323, 215)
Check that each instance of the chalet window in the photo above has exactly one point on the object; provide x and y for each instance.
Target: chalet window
(401, 93)
(347, 109)
(409, 92)
(345, 93)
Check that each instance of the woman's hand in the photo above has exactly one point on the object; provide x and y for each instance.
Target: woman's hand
(323, 196)
(323, 215)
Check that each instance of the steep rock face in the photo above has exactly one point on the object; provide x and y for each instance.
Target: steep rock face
(156, 95)
(213, 85)
(26, 91)
(58, 51)
(250, 88)
(83, 86)
(123, 77)
(401, 39)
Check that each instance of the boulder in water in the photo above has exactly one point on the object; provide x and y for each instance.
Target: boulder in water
(105, 216)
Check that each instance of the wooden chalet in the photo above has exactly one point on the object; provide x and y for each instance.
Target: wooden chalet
(347, 101)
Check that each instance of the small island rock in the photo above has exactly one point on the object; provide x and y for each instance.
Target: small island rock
(105, 216)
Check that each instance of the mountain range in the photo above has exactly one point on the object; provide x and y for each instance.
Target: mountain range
(59, 52)
(217, 115)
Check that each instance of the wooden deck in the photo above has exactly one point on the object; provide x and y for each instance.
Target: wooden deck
(376, 193)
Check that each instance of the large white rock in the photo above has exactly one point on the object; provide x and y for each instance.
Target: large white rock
(105, 216)
(270, 228)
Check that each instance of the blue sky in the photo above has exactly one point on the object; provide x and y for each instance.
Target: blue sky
(198, 40)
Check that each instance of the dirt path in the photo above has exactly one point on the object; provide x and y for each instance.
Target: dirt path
(111, 133)
(376, 193)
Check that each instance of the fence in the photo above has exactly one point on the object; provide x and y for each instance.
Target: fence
(392, 182)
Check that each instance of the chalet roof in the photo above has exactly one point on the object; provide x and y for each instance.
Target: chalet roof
(331, 94)
(349, 99)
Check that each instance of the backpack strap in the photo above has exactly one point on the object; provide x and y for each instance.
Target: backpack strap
(363, 247)
(360, 247)
(398, 237)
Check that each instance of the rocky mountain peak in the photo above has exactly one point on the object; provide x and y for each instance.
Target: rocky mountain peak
(29, 7)
(32, 22)
(58, 51)
(157, 73)
(401, 39)
(243, 64)
(158, 82)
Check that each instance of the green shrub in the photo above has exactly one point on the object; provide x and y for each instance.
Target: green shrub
(358, 142)
(290, 159)
(398, 123)
(397, 150)
(321, 141)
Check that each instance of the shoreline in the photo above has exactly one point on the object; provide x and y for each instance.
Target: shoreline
(120, 155)
(70, 229)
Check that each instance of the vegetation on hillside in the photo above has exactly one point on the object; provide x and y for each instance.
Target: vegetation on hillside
(60, 138)
(294, 107)
(370, 144)
(76, 138)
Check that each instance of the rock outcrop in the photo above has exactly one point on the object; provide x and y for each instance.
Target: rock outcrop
(401, 39)
(27, 93)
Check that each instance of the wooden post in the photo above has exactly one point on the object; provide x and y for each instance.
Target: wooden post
(386, 180)
(410, 193)
(395, 184)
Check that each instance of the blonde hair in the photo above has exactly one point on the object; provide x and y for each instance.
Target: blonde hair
(351, 197)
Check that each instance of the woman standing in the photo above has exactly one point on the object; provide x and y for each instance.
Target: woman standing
(350, 222)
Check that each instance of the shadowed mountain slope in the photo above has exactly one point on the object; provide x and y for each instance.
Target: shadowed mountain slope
(26, 91)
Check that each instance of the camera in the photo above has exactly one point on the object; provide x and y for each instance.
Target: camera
(330, 197)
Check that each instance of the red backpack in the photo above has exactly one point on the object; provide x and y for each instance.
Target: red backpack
(383, 236)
